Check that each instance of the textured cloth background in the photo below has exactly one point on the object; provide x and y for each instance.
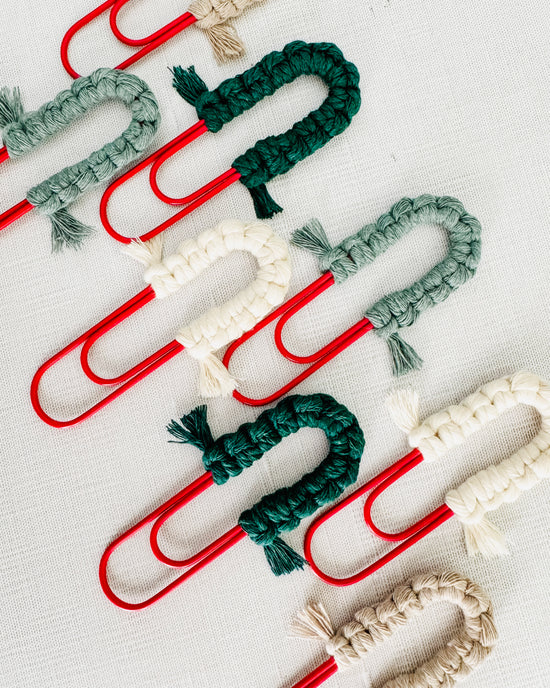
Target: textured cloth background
(456, 100)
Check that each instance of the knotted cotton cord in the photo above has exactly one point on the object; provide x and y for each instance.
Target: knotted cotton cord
(282, 510)
(402, 308)
(373, 625)
(213, 17)
(222, 324)
(490, 488)
(22, 132)
(278, 154)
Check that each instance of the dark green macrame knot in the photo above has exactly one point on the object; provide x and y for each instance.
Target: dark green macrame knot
(277, 154)
(283, 510)
(22, 132)
(401, 308)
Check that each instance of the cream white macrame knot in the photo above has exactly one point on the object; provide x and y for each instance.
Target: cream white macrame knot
(212, 17)
(490, 488)
(373, 625)
(222, 324)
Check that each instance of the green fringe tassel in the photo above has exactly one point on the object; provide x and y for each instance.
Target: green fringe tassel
(312, 237)
(67, 230)
(282, 558)
(264, 205)
(405, 359)
(188, 84)
(11, 107)
(192, 429)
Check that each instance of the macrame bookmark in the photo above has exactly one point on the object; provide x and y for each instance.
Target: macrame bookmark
(372, 626)
(282, 510)
(220, 325)
(402, 308)
(489, 489)
(277, 154)
(22, 132)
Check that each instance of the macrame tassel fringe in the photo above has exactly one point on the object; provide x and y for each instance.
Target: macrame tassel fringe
(224, 41)
(404, 357)
(312, 237)
(264, 205)
(312, 623)
(214, 378)
(67, 230)
(188, 84)
(192, 429)
(282, 558)
(147, 253)
(403, 407)
(484, 538)
(11, 107)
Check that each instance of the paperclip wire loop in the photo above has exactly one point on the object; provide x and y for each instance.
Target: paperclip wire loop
(489, 489)
(372, 626)
(278, 154)
(212, 16)
(22, 132)
(394, 311)
(281, 511)
(211, 331)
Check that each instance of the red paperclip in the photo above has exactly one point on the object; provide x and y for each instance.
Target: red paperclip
(406, 538)
(318, 359)
(126, 380)
(155, 161)
(149, 43)
(17, 211)
(193, 564)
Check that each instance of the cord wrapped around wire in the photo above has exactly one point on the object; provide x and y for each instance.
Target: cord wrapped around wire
(373, 625)
(277, 154)
(22, 132)
(489, 489)
(220, 325)
(402, 308)
(230, 454)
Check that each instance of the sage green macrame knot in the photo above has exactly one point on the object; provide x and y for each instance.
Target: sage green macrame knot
(402, 308)
(282, 510)
(22, 132)
(278, 154)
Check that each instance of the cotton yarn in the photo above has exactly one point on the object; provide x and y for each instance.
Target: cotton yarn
(490, 488)
(222, 324)
(278, 154)
(282, 510)
(213, 17)
(402, 308)
(373, 625)
(22, 132)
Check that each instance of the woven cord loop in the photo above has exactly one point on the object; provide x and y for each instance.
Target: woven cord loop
(373, 625)
(282, 510)
(278, 154)
(489, 489)
(220, 325)
(402, 308)
(22, 132)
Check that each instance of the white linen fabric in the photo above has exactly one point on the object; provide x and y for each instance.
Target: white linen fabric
(456, 100)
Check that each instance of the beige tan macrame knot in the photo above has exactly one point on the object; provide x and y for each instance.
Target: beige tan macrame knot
(373, 625)
(212, 17)
(489, 489)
